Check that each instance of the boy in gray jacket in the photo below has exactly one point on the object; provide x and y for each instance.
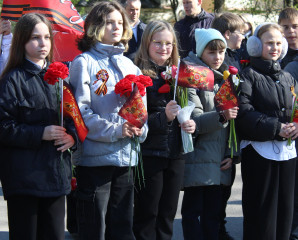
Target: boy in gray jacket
(209, 165)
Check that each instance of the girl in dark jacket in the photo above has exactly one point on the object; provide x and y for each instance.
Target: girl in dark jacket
(34, 178)
(156, 202)
(268, 163)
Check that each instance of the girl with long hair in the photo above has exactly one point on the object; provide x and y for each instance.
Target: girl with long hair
(105, 183)
(156, 201)
(34, 178)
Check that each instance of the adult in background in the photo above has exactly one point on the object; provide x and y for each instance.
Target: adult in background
(196, 17)
(133, 9)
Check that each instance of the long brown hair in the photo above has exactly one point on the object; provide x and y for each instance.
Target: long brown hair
(22, 34)
(142, 59)
(95, 25)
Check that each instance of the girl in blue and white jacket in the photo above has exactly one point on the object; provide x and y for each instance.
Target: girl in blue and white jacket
(105, 192)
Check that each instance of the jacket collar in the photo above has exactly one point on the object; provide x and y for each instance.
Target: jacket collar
(268, 67)
(199, 17)
(33, 68)
(107, 50)
(292, 52)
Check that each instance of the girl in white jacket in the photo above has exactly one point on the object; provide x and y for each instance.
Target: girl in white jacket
(105, 187)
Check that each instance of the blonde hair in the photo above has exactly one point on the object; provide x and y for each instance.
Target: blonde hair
(268, 27)
(95, 25)
(247, 18)
(142, 59)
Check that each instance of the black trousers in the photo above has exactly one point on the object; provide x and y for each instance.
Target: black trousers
(267, 196)
(35, 218)
(226, 194)
(156, 202)
(294, 232)
(105, 203)
(200, 212)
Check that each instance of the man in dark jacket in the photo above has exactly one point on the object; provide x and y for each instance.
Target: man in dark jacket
(195, 17)
(133, 9)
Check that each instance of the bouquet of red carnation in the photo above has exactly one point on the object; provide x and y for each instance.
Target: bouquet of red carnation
(67, 105)
(226, 98)
(55, 74)
(125, 85)
(134, 110)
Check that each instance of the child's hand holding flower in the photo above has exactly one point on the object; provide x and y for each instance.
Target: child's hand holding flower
(231, 113)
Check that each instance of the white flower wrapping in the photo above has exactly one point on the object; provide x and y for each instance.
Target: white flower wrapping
(184, 115)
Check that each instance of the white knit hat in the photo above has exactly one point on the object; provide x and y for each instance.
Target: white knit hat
(204, 36)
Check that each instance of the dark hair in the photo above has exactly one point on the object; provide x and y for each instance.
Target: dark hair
(95, 24)
(22, 34)
(216, 45)
(288, 13)
(227, 21)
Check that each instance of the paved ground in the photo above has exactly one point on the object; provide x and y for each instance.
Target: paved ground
(234, 213)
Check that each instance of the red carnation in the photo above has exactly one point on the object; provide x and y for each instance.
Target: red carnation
(124, 87)
(55, 71)
(131, 78)
(244, 61)
(145, 80)
(142, 88)
(233, 70)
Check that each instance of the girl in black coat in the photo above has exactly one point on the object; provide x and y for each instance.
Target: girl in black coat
(268, 163)
(156, 201)
(34, 178)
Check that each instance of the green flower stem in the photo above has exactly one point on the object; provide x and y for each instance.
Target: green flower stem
(135, 145)
(235, 136)
(58, 101)
(182, 96)
(232, 137)
(59, 118)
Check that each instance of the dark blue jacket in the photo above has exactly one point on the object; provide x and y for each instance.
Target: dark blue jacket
(28, 164)
(132, 44)
(185, 29)
(291, 54)
(232, 59)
